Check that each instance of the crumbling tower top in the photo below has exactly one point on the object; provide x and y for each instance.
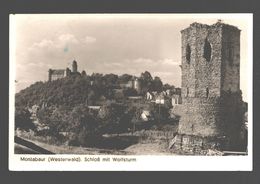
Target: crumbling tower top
(210, 59)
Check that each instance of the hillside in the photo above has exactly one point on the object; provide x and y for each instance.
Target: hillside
(75, 90)
(63, 108)
(68, 91)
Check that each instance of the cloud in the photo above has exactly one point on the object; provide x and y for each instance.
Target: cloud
(89, 39)
(168, 61)
(61, 42)
(164, 74)
(67, 38)
(43, 43)
(146, 61)
(40, 65)
(114, 64)
(151, 62)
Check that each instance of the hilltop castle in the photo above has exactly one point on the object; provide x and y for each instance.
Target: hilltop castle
(211, 115)
(55, 74)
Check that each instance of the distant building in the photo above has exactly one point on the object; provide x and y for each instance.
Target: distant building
(176, 99)
(137, 85)
(149, 96)
(132, 83)
(146, 115)
(55, 74)
(94, 107)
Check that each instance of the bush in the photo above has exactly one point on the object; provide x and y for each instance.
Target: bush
(23, 119)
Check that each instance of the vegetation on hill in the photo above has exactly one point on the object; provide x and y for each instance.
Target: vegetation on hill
(64, 106)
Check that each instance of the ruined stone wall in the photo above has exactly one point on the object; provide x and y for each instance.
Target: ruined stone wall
(231, 119)
(210, 85)
(230, 59)
(201, 78)
(188, 65)
(219, 119)
(200, 117)
(208, 72)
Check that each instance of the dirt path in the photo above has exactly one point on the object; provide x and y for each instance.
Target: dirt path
(146, 148)
(149, 149)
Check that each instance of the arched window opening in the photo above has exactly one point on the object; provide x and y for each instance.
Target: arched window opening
(207, 50)
(187, 92)
(188, 53)
(207, 92)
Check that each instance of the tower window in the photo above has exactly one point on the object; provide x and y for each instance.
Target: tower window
(207, 50)
(207, 92)
(188, 53)
(187, 94)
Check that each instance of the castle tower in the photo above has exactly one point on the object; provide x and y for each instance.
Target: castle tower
(211, 96)
(49, 74)
(74, 66)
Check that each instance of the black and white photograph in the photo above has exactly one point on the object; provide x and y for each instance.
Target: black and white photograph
(127, 87)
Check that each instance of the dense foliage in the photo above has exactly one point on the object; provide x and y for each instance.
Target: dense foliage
(23, 119)
(74, 90)
(64, 105)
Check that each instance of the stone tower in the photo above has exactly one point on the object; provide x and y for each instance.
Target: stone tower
(211, 111)
(50, 74)
(74, 66)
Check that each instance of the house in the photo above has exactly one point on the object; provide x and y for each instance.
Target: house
(135, 98)
(176, 99)
(160, 98)
(133, 83)
(94, 107)
(149, 96)
(146, 115)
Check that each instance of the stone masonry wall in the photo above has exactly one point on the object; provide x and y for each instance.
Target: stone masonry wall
(230, 59)
(211, 107)
(199, 117)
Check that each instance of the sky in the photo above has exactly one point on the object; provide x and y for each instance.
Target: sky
(111, 43)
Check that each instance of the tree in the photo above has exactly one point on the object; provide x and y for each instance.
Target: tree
(80, 118)
(168, 86)
(146, 76)
(124, 78)
(110, 79)
(55, 118)
(129, 92)
(23, 119)
(146, 82)
(160, 112)
(91, 97)
(83, 73)
(97, 79)
(136, 117)
(111, 116)
(157, 84)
